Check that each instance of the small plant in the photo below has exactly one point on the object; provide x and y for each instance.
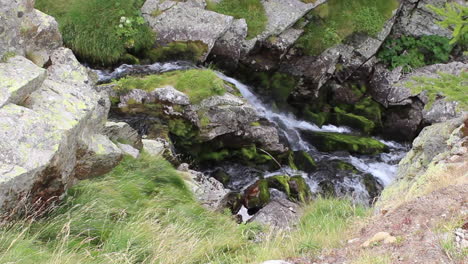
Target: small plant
(411, 52)
(455, 17)
(368, 20)
(127, 29)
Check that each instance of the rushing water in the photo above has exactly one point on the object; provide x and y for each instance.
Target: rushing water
(382, 167)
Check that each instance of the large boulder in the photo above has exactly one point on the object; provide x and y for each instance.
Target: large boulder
(51, 137)
(185, 21)
(27, 32)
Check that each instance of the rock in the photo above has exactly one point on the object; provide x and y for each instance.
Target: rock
(373, 186)
(280, 183)
(384, 237)
(170, 95)
(123, 132)
(27, 32)
(282, 14)
(330, 142)
(257, 195)
(304, 161)
(183, 21)
(417, 20)
(129, 150)
(266, 136)
(228, 49)
(232, 201)
(300, 190)
(18, 79)
(154, 147)
(208, 191)
(53, 138)
(278, 214)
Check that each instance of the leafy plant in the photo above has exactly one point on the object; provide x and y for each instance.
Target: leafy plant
(455, 17)
(411, 52)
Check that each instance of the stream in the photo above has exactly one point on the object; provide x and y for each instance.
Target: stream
(382, 167)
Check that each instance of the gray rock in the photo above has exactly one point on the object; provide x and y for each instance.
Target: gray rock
(183, 21)
(121, 131)
(154, 147)
(53, 138)
(170, 95)
(19, 78)
(129, 150)
(230, 46)
(278, 213)
(418, 20)
(27, 32)
(208, 190)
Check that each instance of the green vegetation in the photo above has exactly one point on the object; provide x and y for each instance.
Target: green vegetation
(142, 212)
(335, 20)
(191, 51)
(411, 52)
(454, 15)
(341, 118)
(451, 86)
(100, 31)
(197, 84)
(329, 142)
(304, 162)
(251, 10)
(7, 56)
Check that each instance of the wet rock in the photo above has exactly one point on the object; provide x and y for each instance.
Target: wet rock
(280, 183)
(304, 161)
(278, 214)
(330, 142)
(232, 201)
(300, 191)
(221, 176)
(257, 195)
(183, 21)
(373, 186)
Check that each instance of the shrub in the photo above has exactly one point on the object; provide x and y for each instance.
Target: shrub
(251, 10)
(454, 16)
(100, 31)
(411, 52)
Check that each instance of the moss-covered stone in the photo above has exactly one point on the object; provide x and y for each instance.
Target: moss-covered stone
(330, 142)
(328, 188)
(304, 161)
(344, 166)
(129, 59)
(179, 50)
(317, 118)
(372, 186)
(222, 177)
(257, 195)
(280, 182)
(369, 109)
(232, 201)
(300, 191)
(354, 121)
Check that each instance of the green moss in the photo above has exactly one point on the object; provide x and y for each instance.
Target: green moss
(251, 10)
(353, 121)
(369, 109)
(317, 118)
(300, 191)
(344, 166)
(279, 182)
(94, 31)
(182, 128)
(304, 161)
(197, 84)
(222, 177)
(214, 156)
(191, 51)
(129, 59)
(335, 141)
(255, 124)
(453, 87)
(335, 20)
(7, 56)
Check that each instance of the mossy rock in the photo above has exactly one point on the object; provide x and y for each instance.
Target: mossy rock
(222, 177)
(369, 109)
(304, 161)
(343, 166)
(280, 182)
(179, 50)
(354, 121)
(300, 191)
(257, 195)
(232, 201)
(129, 59)
(317, 118)
(330, 142)
(328, 188)
(373, 187)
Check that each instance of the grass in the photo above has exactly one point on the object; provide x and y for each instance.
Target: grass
(447, 241)
(337, 19)
(197, 84)
(251, 10)
(142, 212)
(94, 31)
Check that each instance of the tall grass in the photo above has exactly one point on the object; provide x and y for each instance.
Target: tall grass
(142, 212)
(91, 28)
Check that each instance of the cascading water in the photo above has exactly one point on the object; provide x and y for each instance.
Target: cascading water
(382, 167)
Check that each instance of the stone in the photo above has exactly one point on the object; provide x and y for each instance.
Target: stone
(304, 161)
(124, 133)
(19, 78)
(171, 95)
(154, 147)
(278, 214)
(128, 150)
(257, 195)
(208, 191)
(384, 237)
(228, 48)
(183, 21)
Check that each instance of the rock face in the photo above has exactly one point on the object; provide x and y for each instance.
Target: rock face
(278, 213)
(185, 21)
(27, 32)
(50, 137)
(407, 111)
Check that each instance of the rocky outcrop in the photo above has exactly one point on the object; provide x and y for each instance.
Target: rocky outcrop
(185, 21)
(50, 129)
(27, 32)
(407, 111)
